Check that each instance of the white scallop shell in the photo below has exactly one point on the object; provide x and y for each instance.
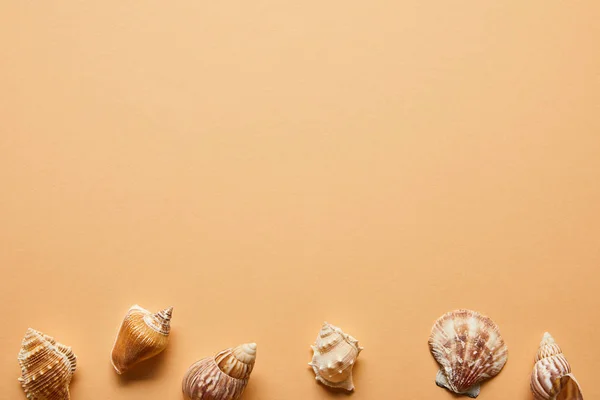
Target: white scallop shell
(334, 356)
(469, 349)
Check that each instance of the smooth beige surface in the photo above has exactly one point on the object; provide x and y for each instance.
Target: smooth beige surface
(263, 166)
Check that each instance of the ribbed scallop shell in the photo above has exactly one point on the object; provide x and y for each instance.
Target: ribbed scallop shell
(142, 335)
(222, 377)
(469, 349)
(46, 367)
(551, 377)
(334, 356)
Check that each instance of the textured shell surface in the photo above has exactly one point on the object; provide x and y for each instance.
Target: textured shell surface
(334, 356)
(222, 377)
(46, 367)
(469, 349)
(142, 335)
(551, 377)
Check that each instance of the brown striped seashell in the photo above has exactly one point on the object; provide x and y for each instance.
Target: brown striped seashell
(222, 377)
(142, 335)
(334, 356)
(469, 349)
(551, 377)
(46, 367)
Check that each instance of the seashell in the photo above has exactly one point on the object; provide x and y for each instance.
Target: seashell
(551, 377)
(469, 349)
(46, 367)
(222, 377)
(142, 335)
(334, 356)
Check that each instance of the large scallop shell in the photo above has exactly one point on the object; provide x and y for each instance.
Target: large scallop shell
(142, 335)
(222, 377)
(334, 356)
(551, 377)
(469, 349)
(46, 367)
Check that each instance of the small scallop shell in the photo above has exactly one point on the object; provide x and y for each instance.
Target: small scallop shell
(142, 335)
(334, 356)
(469, 349)
(551, 378)
(46, 367)
(222, 377)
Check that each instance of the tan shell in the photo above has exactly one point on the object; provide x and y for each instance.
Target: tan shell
(469, 349)
(46, 367)
(334, 356)
(142, 335)
(551, 377)
(222, 377)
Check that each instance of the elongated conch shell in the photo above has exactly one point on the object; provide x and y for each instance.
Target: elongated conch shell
(142, 335)
(334, 355)
(222, 377)
(46, 367)
(469, 349)
(551, 378)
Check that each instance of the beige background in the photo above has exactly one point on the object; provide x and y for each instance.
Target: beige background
(263, 166)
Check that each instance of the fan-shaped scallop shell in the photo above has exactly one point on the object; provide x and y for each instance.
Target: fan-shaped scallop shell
(46, 367)
(551, 377)
(142, 335)
(334, 356)
(469, 349)
(222, 377)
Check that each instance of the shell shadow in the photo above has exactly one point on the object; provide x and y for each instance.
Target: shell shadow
(149, 369)
(252, 391)
(454, 395)
(74, 380)
(460, 396)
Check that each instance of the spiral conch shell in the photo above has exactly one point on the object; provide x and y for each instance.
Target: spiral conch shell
(334, 356)
(142, 335)
(469, 349)
(551, 378)
(46, 367)
(222, 377)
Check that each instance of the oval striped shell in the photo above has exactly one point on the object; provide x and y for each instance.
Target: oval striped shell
(469, 349)
(551, 377)
(222, 377)
(142, 335)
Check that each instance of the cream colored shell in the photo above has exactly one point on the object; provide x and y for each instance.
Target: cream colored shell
(46, 367)
(469, 349)
(551, 377)
(334, 356)
(222, 377)
(142, 335)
